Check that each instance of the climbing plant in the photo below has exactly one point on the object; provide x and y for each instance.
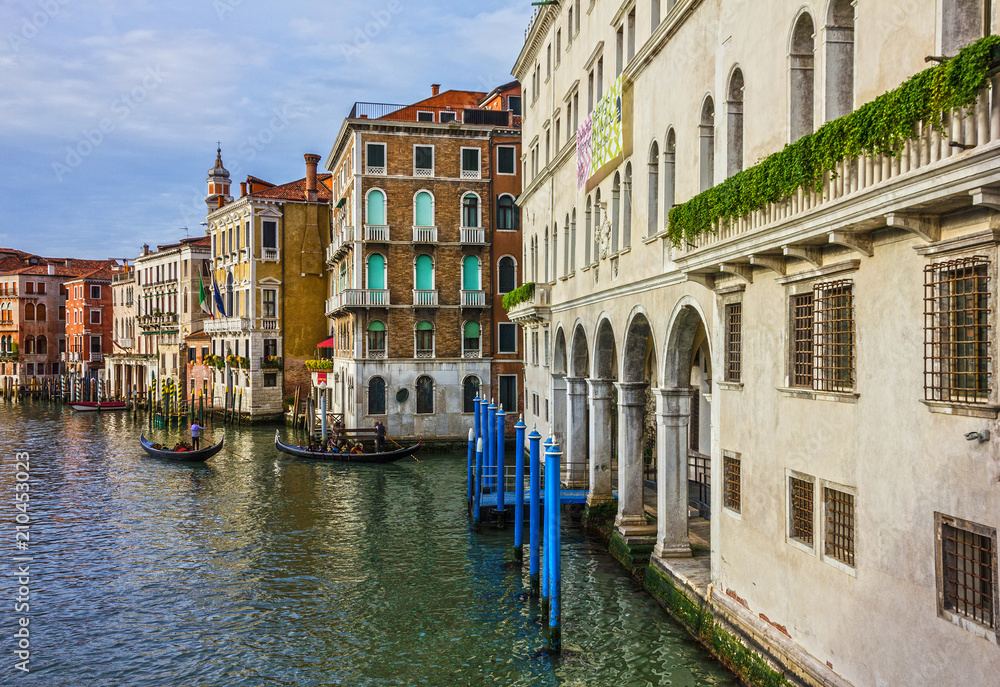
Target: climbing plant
(880, 127)
(521, 294)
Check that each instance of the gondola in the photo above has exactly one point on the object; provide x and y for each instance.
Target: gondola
(91, 406)
(199, 456)
(384, 457)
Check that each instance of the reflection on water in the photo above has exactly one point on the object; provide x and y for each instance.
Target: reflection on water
(255, 569)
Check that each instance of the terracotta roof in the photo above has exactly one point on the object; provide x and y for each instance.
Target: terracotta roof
(296, 190)
(102, 274)
(198, 336)
(76, 267)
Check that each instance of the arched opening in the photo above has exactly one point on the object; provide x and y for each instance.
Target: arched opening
(470, 210)
(616, 209)
(506, 214)
(578, 413)
(734, 124)
(572, 242)
(425, 395)
(627, 207)
(376, 208)
(604, 423)
(470, 391)
(40, 312)
(229, 296)
(424, 339)
(376, 396)
(470, 273)
(597, 226)
(706, 142)
(555, 251)
(29, 312)
(376, 277)
(637, 428)
(588, 216)
(801, 61)
(424, 273)
(506, 274)
(376, 339)
(669, 174)
(558, 422)
(423, 210)
(566, 267)
(839, 40)
(29, 345)
(42, 345)
(653, 198)
(471, 347)
(545, 264)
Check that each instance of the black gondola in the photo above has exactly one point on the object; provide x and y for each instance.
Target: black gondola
(199, 456)
(384, 457)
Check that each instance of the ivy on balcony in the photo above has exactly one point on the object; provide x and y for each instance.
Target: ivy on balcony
(521, 294)
(319, 364)
(880, 127)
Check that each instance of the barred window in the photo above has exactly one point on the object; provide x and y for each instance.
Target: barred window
(734, 342)
(733, 481)
(800, 496)
(967, 570)
(839, 537)
(823, 337)
(957, 331)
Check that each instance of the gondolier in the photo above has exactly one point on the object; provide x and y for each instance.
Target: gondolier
(379, 437)
(196, 435)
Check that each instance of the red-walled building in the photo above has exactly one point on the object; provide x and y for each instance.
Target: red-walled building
(89, 321)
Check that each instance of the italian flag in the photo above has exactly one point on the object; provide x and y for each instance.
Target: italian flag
(203, 300)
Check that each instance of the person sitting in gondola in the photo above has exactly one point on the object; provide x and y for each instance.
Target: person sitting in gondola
(302, 444)
(358, 449)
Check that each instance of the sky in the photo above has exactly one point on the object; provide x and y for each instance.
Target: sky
(111, 109)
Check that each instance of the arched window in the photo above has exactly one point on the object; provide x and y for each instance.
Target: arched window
(470, 391)
(734, 124)
(801, 61)
(470, 340)
(424, 273)
(40, 312)
(506, 275)
(425, 395)
(839, 38)
(616, 211)
(376, 208)
(470, 273)
(376, 396)
(29, 312)
(669, 174)
(470, 210)
(653, 199)
(566, 267)
(423, 210)
(376, 271)
(597, 225)
(376, 339)
(29, 345)
(229, 296)
(424, 339)
(627, 207)
(506, 214)
(546, 254)
(555, 251)
(42, 345)
(572, 242)
(587, 230)
(707, 145)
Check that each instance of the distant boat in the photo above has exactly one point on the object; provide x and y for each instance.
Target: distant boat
(384, 457)
(199, 456)
(92, 406)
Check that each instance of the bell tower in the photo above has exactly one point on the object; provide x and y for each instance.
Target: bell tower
(218, 184)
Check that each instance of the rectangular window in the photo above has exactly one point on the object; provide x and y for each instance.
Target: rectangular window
(95, 292)
(839, 534)
(545, 348)
(508, 393)
(470, 163)
(957, 331)
(802, 340)
(534, 350)
(505, 160)
(62, 313)
(269, 235)
(423, 161)
(800, 499)
(446, 117)
(375, 158)
(95, 344)
(733, 484)
(833, 343)
(507, 337)
(269, 301)
(734, 342)
(270, 347)
(514, 104)
(270, 379)
(966, 571)
(29, 287)
(425, 116)
(41, 287)
(95, 316)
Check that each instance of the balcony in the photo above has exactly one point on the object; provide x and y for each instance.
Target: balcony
(376, 171)
(424, 353)
(357, 298)
(157, 320)
(472, 353)
(472, 174)
(425, 299)
(125, 343)
(225, 325)
(8, 326)
(376, 354)
(96, 357)
(535, 310)
(473, 236)
(473, 299)
(425, 172)
(376, 232)
(269, 254)
(425, 234)
(340, 243)
(269, 324)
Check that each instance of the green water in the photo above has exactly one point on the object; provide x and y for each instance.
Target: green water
(256, 569)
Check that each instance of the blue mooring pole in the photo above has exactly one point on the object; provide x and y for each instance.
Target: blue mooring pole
(519, 489)
(553, 536)
(533, 525)
(475, 420)
(492, 447)
(472, 464)
(484, 405)
(477, 505)
(500, 450)
(546, 539)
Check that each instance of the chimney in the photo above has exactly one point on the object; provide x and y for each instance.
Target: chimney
(243, 188)
(145, 249)
(311, 161)
(435, 88)
(52, 270)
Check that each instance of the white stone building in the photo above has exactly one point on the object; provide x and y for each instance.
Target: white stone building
(822, 368)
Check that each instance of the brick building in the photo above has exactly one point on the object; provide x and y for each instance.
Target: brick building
(89, 323)
(418, 190)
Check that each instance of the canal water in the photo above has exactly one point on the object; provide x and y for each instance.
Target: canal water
(256, 569)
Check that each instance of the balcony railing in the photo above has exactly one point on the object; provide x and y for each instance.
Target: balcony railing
(472, 353)
(340, 242)
(269, 254)
(425, 234)
(473, 235)
(376, 232)
(357, 298)
(424, 353)
(269, 323)
(471, 174)
(125, 343)
(363, 110)
(96, 357)
(377, 171)
(473, 299)
(424, 298)
(376, 353)
(227, 324)
(423, 171)
(534, 311)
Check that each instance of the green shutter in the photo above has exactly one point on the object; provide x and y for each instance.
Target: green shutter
(376, 271)
(471, 330)
(470, 273)
(376, 326)
(425, 273)
(424, 326)
(376, 208)
(424, 213)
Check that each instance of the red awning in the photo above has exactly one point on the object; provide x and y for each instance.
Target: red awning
(326, 344)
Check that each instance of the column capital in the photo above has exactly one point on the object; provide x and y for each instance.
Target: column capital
(673, 402)
(631, 393)
(558, 381)
(600, 389)
(576, 386)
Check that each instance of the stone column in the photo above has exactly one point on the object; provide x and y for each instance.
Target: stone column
(575, 451)
(600, 441)
(631, 520)
(557, 417)
(673, 411)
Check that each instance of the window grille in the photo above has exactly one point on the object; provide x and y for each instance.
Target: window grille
(957, 354)
(801, 511)
(734, 342)
(839, 525)
(733, 482)
(968, 571)
(802, 338)
(833, 342)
